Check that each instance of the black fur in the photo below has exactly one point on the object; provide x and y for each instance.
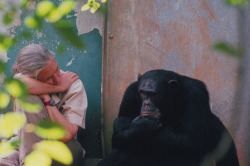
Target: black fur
(186, 134)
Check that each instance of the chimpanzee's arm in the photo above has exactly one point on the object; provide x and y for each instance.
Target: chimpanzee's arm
(203, 139)
(129, 109)
(134, 133)
(184, 141)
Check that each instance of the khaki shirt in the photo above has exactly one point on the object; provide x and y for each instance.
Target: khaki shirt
(72, 103)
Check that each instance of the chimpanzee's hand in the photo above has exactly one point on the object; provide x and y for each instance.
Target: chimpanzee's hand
(149, 124)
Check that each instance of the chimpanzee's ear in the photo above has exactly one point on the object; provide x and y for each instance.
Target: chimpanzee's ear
(174, 85)
(139, 77)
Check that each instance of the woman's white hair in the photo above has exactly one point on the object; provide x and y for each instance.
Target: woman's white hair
(32, 59)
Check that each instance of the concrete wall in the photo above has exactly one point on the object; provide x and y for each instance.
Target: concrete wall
(175, 35)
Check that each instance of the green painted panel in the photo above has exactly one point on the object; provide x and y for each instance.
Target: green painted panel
(86, 63)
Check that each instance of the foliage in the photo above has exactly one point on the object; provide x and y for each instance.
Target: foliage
(49, 130)
(227, 48)
(16, 88)
(92, 5)
(4, 100)
(12, 122)
(38, 158)
(6, 149)
(6, 42)
(28, 106)
(45, 151)
(241, 3)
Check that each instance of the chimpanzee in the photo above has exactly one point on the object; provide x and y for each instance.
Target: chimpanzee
(165, 120)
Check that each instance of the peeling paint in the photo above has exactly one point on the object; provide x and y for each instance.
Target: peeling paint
(2, 77)
(8, 29)
(177, 5)
(3, 57)
(86, 21)
(39, 34)
(70, 62)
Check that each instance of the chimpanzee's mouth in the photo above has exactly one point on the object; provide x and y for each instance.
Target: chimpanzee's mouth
(146, 113)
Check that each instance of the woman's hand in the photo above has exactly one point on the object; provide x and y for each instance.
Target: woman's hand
(66, 80)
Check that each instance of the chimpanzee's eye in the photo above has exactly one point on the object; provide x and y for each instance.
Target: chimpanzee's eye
(155, 97)
(143, 95)
(152, 94)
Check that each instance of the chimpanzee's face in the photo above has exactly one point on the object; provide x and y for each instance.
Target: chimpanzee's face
(151, 98)
(157, 93)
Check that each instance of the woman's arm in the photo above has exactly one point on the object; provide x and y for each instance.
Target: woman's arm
(36, 87)
(56, 116)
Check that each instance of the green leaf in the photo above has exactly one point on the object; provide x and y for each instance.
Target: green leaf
(11, 123)
(1, 5)
(38, 158)
(61, 49)
(67, 31)
(32, 22)
(49, 130)
(15, 143)
(4, 100)
(54, 16)
(66, 7)
(30, 107)
(6, 149)
(16, 88)
(226, 48)
(9, 16)
(57, 150)
(2, 67)
(26, 34)
(93, 10)
(24, 3)
(241, 3)
(85, 7)
(44, 8)
(6, 42)
(103, 10)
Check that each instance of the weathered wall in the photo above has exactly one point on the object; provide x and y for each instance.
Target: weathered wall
(174, 35)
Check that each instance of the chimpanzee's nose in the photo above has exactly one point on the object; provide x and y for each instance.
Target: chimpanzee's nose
(146, 103)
